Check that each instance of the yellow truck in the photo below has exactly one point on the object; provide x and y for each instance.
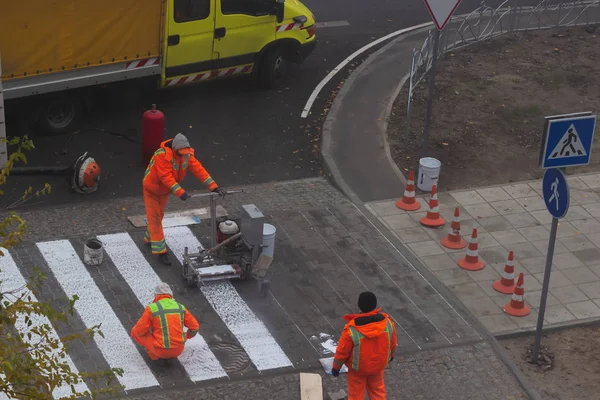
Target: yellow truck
(53, 51)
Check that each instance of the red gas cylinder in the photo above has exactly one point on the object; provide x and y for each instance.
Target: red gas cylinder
(153, 133)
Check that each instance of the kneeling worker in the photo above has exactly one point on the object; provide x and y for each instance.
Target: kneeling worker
(165, 172)
(367, 345)
(160, 329)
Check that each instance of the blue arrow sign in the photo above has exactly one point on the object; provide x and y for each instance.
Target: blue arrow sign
(556, 192)
(568, 142)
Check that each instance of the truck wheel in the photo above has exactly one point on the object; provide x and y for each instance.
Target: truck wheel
(59, 114)
(272, 69)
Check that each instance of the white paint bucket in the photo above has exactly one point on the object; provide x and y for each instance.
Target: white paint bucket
(429, 172)
(268, 239)
(93, 252)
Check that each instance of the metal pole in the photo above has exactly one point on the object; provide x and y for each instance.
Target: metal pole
(213, 221)
(436, 45)
(540, 322)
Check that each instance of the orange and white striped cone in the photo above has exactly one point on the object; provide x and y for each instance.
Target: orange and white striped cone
(471, 261)
(506, 284)
(517, 307)
(433, 219)
(409, 202)
(454, 240)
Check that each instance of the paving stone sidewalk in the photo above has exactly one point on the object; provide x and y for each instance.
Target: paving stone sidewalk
(512, 217)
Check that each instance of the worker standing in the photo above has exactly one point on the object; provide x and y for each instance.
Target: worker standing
(367, 345)
(160, 329)
(166, 170)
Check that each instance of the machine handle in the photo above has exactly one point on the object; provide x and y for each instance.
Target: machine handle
(216, 194)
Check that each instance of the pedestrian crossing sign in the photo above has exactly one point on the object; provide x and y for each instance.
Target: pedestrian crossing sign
(568, 140)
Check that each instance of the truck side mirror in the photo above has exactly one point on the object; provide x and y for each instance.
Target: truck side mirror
(279, 10)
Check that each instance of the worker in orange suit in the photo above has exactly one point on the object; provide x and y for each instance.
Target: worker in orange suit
(160, 329)
(367, 345)
(166, 170)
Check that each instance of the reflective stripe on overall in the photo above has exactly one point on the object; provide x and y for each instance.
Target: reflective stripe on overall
(356, 338)
(161, 309)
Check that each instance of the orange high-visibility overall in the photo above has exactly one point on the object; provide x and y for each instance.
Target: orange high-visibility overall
(165, 172)
(367, 344)
(160, 329)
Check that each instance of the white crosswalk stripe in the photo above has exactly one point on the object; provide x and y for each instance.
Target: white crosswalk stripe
(117, 347)
(252, 334)
(142, 280)
(14, 283)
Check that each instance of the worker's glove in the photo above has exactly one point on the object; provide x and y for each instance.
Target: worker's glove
(335, 372)
(184, 196)
(219, 191)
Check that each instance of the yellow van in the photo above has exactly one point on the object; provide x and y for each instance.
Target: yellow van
(51, 51)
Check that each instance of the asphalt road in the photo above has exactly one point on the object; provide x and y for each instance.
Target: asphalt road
(241, 134)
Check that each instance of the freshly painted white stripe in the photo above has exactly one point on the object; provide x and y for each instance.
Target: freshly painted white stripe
(13, 281)
(117, 347)
(351, 57)
(252, 334)
(332, 24)
(197, 359)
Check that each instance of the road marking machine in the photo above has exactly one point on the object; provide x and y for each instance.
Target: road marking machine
(236, 250)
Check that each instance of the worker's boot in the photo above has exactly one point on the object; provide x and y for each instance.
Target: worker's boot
(164, 259)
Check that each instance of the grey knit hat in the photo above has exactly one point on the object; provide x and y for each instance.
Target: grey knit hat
(163, 288)
(180, 142)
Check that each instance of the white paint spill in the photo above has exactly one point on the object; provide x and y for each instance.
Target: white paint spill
(197, 358)
(117, 347)
(252, 334)
(324, 335)
(13, 281)
(329, 345)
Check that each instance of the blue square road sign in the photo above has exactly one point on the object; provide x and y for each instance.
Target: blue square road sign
(568, 142)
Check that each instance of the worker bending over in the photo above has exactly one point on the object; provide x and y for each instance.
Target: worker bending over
(367, 345)
(160, 329)
(166, 170)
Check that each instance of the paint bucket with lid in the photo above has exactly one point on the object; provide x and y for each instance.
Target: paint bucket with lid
(429, 172)
(268, 239)
(93, 252)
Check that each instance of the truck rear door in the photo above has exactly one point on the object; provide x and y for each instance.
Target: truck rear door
(243, 28)
(190, 36)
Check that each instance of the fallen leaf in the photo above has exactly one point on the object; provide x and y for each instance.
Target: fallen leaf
(123, 209)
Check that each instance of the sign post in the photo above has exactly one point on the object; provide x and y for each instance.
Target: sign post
(567, 142)
(441, 11)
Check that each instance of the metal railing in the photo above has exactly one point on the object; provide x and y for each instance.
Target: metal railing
(486, 22)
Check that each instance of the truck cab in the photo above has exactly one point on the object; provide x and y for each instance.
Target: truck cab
(208, 39)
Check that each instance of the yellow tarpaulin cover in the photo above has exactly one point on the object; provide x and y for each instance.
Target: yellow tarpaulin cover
(38, 36)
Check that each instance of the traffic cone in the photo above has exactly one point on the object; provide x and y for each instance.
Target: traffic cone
(433, 219)
(454, 240)
(517, 307)
(471, 261)
(409, 202)
(506, 284)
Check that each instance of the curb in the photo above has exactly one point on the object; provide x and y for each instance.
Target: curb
(334, 175)
(588, 322)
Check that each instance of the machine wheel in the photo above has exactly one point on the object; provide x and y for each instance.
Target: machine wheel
(273, 68)
(59, 114)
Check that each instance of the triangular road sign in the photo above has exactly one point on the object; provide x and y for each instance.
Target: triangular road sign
(568, 146)
(441, 11)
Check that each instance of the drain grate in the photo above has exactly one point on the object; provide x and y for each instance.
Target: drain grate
(233, 358)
